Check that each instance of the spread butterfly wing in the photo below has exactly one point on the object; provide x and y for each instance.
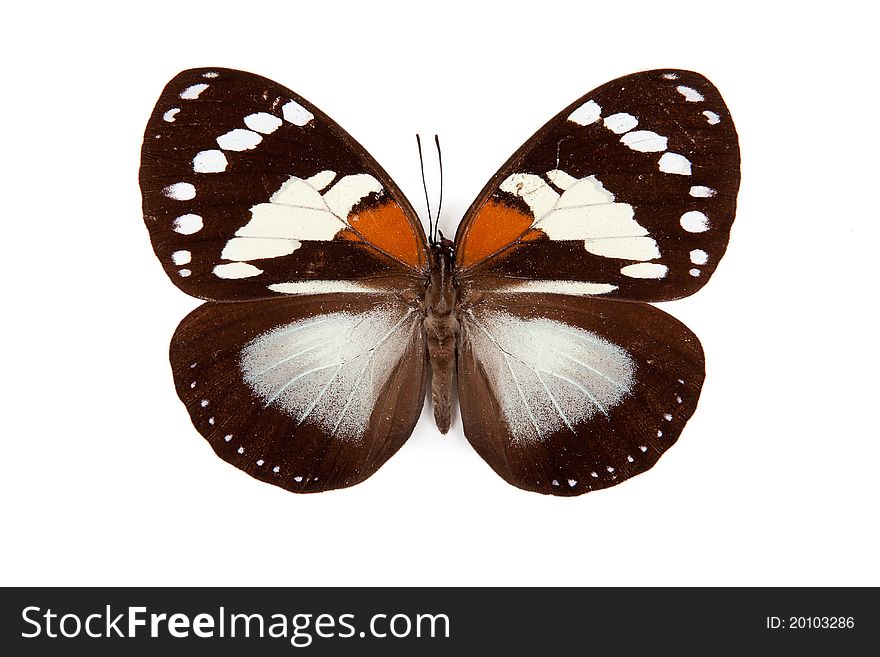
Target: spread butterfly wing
(629, 193)
(316, 375)
(307, 393)
(564, 395)
(250, 191)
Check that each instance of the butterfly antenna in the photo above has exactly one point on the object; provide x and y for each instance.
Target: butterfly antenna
(431, 224)
(440, 203)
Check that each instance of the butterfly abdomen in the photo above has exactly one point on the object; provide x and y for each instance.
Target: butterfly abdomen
(441, 329)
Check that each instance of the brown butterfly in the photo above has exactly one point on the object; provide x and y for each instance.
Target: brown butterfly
(327, 303)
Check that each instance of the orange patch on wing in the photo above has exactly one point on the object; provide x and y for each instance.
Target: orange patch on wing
(495, 226)
(386, 227)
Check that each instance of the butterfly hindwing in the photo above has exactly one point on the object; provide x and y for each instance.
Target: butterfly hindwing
(564, 395)
(250, 191)
(307, 393)
(627, 193)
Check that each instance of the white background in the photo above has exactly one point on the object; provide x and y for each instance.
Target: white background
(774, 481)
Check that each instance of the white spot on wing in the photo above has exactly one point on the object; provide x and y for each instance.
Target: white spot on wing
(210, 74)
(694, 222)
(626, 248)
(181, 257)
(532, 189)
(212, 161)
(675, 163)
(321, 179)
(235, 270)
(169, 115)
(670, 76)
(180, 191)
(349, 191)
(549, 376)
(239, 140)
(185, 272)
(192, 92)
(577, 288)
(700, 191)
(263, 122)
(584, 211)
(711, 117)
(323, 287)
(644, 141)
(690, 95)
(621, 122)
(187, 224)
(296, 211)
(561, 179)
(296, 113)
(645, 270)
(253, 248)
(329, 369)
(699, 257)
(588, 113)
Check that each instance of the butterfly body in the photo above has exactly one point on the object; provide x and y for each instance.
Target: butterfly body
(327, 306)
(442, 330)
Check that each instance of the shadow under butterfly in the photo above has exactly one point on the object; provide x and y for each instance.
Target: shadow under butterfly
(327, 302)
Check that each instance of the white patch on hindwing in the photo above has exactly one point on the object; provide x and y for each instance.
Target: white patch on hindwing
(548, 376)
(329, 369)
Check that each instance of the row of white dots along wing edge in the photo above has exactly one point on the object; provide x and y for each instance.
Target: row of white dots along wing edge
(647, 141)
(204, 403)
(667, 416)
(214, 160)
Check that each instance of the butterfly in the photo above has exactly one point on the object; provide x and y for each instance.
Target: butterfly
(329, 312)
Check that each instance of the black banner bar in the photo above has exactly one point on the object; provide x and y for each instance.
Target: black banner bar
(435, 621)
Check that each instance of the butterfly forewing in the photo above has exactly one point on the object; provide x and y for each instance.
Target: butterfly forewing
(250, 191)
(629, 193)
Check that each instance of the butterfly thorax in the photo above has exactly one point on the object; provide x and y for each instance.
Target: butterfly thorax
(442, 328)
